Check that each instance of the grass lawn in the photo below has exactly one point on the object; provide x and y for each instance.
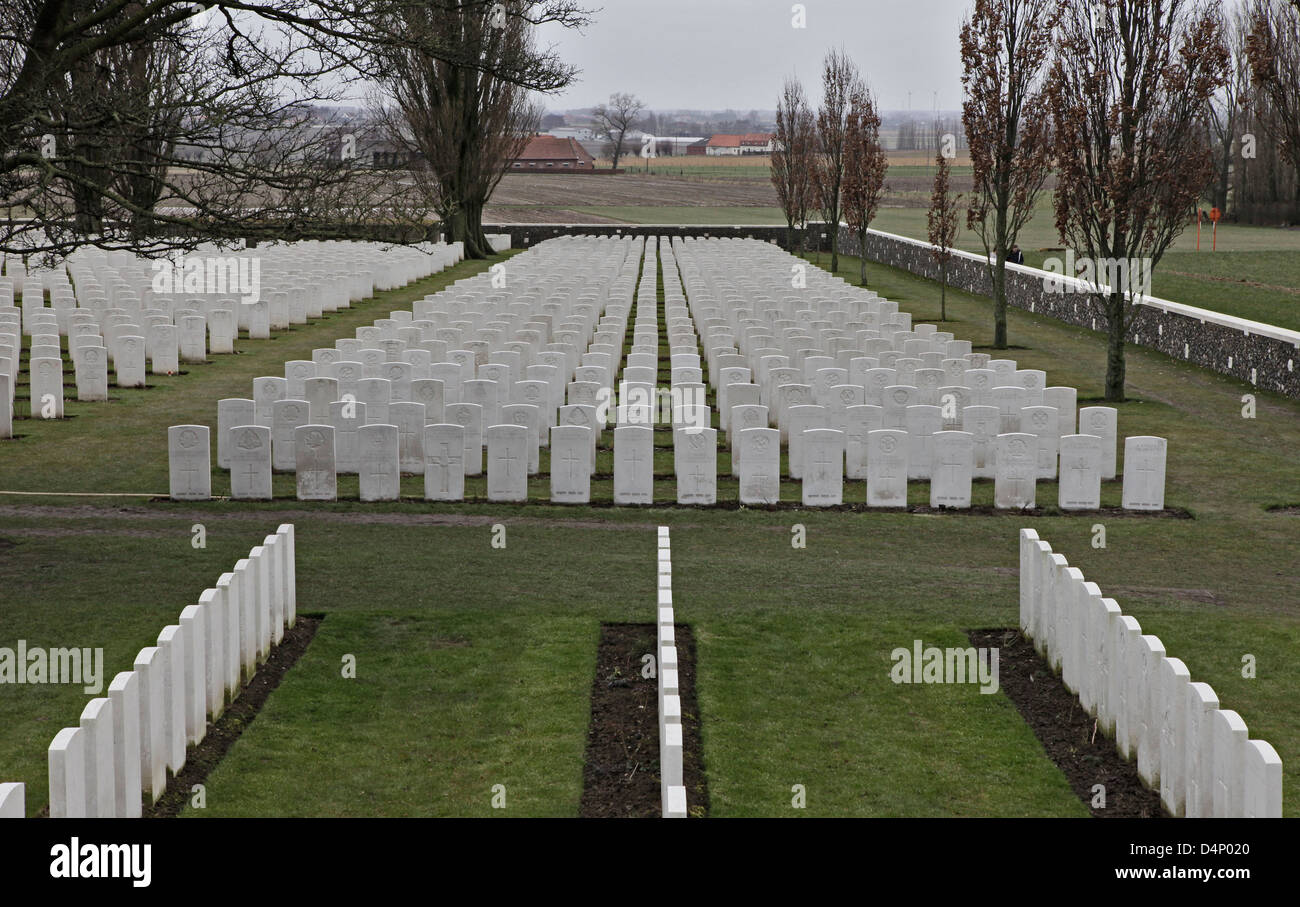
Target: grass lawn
(474, 664)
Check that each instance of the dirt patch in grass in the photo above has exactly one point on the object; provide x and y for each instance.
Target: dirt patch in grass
(621, 776)
(202, 759)
(1069, 734)
(1203, 596)
(1284, 509)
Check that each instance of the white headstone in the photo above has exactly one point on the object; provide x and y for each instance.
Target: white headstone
(410, 420)
(507, 472)
(67, 771)
(319, 393)
(47, 388)
(469, 416)
(317, 475)
(13, 800)
(633, 464)
(823, 482)
(887, 467)
(444, 462)
(1017, 471)
(151, 669)
(250, 463)
(1009, 400)
(124, 691)
(1065, 401)
(190, 467)
(921, 422)
(286, 417)
(1041, 422)
(1263, 784)
(1144, 473)
(695, 454)
(1102, 422)
(529, 417)
(92, 374)
(1080, 484)
(954, 464)
(171, 645)
(760, 467)
(347, 417)
(571, 464)
(230, 412)
(101, 781)
(380, 473)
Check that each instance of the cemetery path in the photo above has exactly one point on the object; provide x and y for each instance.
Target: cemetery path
(90, 512)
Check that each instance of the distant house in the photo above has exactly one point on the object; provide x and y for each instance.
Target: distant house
(551, 154)
(732, 145)
(723, 145)
(696, 148)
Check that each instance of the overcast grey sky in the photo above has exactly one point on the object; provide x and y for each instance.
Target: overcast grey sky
(719, 54)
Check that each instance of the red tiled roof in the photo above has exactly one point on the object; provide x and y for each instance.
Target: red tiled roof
(755, 138)
(553, 148)
(724, 141)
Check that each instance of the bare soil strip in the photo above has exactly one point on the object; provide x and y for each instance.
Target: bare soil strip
(1085, 755)
(621, 775)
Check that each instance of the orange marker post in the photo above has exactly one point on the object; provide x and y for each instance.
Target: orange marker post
(1215, 214)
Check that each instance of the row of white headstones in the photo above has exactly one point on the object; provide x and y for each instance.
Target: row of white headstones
(671, 779)
(1198, 756)
(335, 398)
(127, 742)
(917, 456)
(113, 316)
(951, 459)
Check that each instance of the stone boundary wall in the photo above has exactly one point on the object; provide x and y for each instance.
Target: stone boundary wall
(1259, 354)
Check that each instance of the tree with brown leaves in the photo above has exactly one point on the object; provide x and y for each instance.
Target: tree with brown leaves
(942, 221)
(792, 158)
(1273, 48)
(1127, 90)
(840, 82)
(1005, 46)
(865, 165)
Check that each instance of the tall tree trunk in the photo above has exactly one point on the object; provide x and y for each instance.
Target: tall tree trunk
(862, 256)
(1000, 269)
(476, 244)
(1000, 301)
(943, 292)
(835, 245)
(1115, 330)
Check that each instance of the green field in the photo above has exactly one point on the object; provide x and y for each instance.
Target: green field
(474, 664)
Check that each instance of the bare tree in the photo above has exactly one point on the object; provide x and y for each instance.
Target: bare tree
(792, 158)
(465, 121)
(942, 222)
(840, 82)
(865, 165)
(1273, 48)
(240, 152)
(1127, 89)
(613, 120)
(1005, 46)
(1224, 109)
